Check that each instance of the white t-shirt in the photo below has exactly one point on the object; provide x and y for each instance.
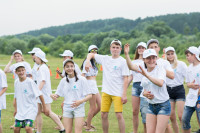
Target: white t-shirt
(77, 69)
(26, 94)
(34, 71)
(193, 73)
(137, 77)
(73, 90)
(114, 71)
(164, 63)
(3, 84)
(43, 74)
(27, 67)
(179, 75)
(92, 71)
(160, 93)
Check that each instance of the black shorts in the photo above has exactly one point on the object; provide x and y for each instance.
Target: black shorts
(176, 93)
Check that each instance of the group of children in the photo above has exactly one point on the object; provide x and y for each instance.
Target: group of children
(157, 88)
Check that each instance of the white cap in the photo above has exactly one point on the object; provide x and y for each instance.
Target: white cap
(67, 53)
(195, 51)
(116, 41)
(19, 65)
(17, 51)
(149, 52)
(143, 44)
(67, 60)
(34, 50)
(41, 55)
(92, 47)
(152, 41)
(169, 49)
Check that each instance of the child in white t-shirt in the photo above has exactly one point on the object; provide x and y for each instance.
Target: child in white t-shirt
(44, 84)
(17, 56)
(25, 100)
(115, 83)
(193, 83)
(76, 92)
(154, 84)
(3, 88)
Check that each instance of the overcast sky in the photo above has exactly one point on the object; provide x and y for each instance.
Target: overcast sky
(18, 16)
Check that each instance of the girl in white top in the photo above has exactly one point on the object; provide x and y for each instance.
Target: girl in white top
(137, 89)
(44, 84)
(67, 54)
(96, 98)
(17, 56)
(3, 88)
(154, 84)
(175, 87)
(76, 92)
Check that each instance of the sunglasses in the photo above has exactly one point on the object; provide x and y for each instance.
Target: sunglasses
(93, 50)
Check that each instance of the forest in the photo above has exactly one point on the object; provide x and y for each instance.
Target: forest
(177, 30)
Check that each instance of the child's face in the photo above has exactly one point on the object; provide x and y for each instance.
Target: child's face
(18, 57)
(150, 61)
(33, 57)
(115, 49)
(140, 50)
(20, 72)
(38, 60)
(190, 57)
(69, 68)
(154, 46)
(170, 55)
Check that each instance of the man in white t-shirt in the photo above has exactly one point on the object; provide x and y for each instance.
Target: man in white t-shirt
(115, 83)
(3, 88)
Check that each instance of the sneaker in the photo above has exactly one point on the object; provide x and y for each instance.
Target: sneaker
(198, 131)
(63, 131)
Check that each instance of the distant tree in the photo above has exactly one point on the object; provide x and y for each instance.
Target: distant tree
(33, 42)
(56, 46)
(46, 38)
(187, 30)
(105, 47)
(80, 49)
(14, 44)
(3, 43)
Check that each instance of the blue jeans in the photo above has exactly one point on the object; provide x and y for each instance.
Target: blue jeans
(160, 108)
(187, 114)
(136, 89)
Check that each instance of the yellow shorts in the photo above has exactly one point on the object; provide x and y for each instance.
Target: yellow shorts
(107, 100)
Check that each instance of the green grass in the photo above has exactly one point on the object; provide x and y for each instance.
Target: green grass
(48, 124)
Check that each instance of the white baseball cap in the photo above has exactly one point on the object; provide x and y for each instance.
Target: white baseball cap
(143, 44)
(67, 60)
(149, 52)
(34, 50)
(19, 65)
(169, 49)
(17, 51)
(116, 41)
(194, 50)
(67, 53)
(152, 41)
(41, 55)
(92, 47)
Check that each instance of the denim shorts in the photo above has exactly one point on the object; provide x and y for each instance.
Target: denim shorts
(74, 113)
(187, 114)
(143, 108)
(176, 93)
(160, 108)
(136, 89)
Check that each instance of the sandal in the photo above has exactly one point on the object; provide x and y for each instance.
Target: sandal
(60, 117)
(85, 125)
(91, 129)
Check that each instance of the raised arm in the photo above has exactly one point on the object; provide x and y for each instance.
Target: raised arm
(87, 61)
(7, 68)
(128, 60)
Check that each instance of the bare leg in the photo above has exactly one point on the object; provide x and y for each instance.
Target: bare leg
(68, 124)
(79, 124)
(121, 122)
(151, 121)
(28, 129)
(162, 122)
(136, 107)
(173, 117)
(105, 123)
(17, 129)
(180, 108)
(39, 119)
(91, 111)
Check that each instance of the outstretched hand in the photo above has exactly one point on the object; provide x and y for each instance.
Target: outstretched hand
(126, 48)
(142, 71)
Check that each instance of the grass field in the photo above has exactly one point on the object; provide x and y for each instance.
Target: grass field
(48, 125)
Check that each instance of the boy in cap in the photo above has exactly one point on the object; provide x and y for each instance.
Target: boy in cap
(67, 54)
(25, 100)
(3, 88)
(193, 83)
(115, 83)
